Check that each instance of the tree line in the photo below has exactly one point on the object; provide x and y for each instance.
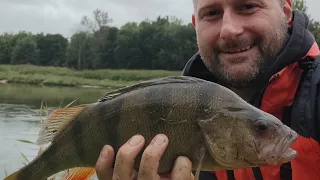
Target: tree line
(164, 43)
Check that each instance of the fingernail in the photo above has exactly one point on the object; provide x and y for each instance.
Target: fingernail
(159, 140)
(104, 153)
(135, 140)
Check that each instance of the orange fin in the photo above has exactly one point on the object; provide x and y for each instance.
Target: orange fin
(13, 176)
(57, 121)
(79, 173)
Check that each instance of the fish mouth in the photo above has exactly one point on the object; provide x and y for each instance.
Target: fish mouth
(283, 153)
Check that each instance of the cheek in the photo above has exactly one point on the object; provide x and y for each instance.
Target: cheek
(264, 26)
(207, 34)
(258, 28)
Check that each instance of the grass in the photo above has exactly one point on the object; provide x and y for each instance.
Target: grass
(30, 74)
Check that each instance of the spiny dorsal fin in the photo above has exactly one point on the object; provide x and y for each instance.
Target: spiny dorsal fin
(153, 82)
(57, 121)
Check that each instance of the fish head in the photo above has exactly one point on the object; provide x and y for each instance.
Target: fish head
(240, 135)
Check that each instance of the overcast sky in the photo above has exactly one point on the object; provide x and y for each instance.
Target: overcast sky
(63, 16)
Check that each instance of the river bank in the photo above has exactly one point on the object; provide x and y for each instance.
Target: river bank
(59, 76)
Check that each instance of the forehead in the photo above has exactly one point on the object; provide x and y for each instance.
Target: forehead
(200, 3)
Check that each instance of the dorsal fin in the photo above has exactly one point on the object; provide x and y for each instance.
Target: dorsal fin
(153, 82)
(57, 121)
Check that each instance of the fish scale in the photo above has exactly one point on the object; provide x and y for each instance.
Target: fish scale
(204, 121)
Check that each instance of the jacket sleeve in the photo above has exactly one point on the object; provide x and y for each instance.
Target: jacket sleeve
(316, 134)
(314, 124)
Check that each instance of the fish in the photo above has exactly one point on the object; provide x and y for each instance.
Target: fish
(204, 121)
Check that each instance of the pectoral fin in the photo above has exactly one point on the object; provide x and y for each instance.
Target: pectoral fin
(202, 153)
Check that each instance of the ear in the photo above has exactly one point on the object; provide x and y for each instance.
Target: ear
(287, 10)
(289, 2)
(193, 20)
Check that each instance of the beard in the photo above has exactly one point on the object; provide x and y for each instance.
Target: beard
(247, 75)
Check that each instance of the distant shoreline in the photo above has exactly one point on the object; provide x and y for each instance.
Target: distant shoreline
(4, 81)
(61, 76)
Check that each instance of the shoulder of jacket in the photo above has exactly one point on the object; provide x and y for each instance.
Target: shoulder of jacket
(306, 107)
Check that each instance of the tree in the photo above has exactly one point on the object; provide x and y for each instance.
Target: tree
(97, 25)
(25, 51)
(78, 50)
(52, 49)
(314, 25)
(6, 48)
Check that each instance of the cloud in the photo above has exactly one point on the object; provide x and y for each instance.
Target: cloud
(313, 8)
(63, 16)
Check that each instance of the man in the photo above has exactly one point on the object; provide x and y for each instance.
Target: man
(262, 50)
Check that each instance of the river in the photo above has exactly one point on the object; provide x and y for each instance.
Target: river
(20, 118)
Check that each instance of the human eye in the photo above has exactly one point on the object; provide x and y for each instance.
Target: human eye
(248, 8)
(211, 14)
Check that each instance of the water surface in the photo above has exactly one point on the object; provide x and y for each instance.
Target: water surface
(20, 117)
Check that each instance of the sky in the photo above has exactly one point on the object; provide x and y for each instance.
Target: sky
(63, 16)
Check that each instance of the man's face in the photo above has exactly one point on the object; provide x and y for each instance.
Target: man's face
(239, 39)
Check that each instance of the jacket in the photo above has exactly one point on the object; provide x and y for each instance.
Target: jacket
(291, 94)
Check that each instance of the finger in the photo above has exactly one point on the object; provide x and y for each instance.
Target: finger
(134, 175)
(192, 176)
(182, 169)
(125, 159)
(165, 176)
(104, 163)
(151, 157)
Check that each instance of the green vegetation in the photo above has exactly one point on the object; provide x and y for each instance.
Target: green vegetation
(40, 75)
(314, 25)
(53, 96)
(164, 44)
(103, 55)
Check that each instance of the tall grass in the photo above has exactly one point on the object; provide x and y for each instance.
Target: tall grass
(31, 74)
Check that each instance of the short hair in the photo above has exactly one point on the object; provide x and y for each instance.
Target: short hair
(281, 2)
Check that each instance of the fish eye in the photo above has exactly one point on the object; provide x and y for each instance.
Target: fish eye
(261, 125)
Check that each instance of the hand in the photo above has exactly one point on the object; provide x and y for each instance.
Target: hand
(123, 168)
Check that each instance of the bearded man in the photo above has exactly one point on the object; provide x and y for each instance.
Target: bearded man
(263, 51)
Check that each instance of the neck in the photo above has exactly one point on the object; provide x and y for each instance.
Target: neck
(248, 93)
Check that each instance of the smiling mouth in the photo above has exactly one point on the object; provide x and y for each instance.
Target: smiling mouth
(237, 50)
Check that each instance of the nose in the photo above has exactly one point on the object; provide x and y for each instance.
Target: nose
(231, 26)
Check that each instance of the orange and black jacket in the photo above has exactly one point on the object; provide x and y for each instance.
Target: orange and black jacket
(292, 93)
